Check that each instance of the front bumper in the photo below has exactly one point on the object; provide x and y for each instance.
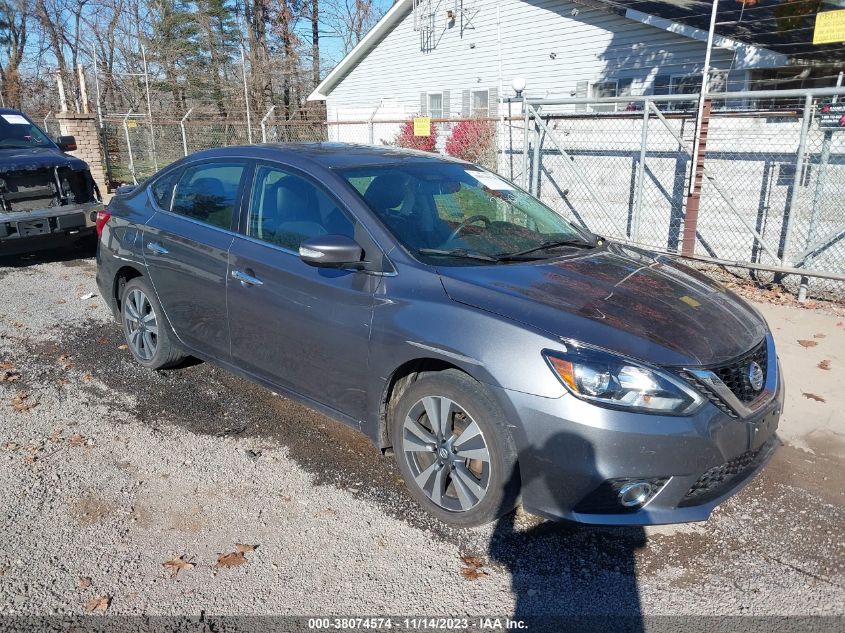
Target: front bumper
(24, 231)
(569, 450)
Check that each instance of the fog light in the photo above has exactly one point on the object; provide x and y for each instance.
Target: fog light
(635, 493)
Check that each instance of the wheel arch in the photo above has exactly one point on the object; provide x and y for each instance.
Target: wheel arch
(122, 277)
(398, 381)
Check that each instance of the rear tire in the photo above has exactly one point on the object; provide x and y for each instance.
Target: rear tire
(145, 328)
(451, 443)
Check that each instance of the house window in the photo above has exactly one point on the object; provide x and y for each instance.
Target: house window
(691, 84)
(610, 88)
(480, 104)
(435, 105)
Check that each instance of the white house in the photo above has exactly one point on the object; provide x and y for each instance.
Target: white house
(455, 58)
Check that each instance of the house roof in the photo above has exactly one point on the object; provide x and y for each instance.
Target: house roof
(688, 18)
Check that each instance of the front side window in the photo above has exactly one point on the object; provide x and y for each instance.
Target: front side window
(457, 208)
(18, 131)
(286, 209)
(209, 192)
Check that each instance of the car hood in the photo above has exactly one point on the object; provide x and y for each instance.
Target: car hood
(622, 299)
(24, 159)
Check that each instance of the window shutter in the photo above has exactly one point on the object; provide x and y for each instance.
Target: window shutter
(423, 103)
(465, 103)
(493, 102)
(447, 105)
(581, 90)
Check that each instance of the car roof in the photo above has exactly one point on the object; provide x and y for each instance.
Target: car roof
(330, 155)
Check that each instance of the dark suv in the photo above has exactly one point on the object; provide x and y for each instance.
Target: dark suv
(501, 351)
(46, 196)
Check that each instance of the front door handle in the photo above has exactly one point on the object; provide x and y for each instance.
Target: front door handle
(246, 279)
(157, 248)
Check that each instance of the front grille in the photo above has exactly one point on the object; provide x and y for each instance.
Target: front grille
(716, 481)
(735, 373)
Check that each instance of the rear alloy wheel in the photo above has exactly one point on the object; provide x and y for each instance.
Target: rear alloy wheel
(452, 448)
(146, 332)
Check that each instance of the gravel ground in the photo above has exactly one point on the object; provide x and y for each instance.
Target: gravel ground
(110, 470)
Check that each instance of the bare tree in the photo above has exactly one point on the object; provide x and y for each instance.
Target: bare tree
(14, 16)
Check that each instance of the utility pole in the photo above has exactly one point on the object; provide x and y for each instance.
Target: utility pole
(702, 121)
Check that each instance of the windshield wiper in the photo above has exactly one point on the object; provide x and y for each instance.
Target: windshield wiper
(457, 252)
(573, 241)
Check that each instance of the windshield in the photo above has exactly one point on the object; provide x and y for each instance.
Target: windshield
(18, 131)
(459, 211)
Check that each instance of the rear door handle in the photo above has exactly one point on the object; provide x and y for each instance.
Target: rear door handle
(155, 247)
(246, 279)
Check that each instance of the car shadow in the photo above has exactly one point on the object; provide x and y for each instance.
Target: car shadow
(567, 576)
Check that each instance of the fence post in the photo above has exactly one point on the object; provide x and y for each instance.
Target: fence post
(129, 146)
(49, 114)
(246, 97)
(796, 180)
(264, 124)
(525, 144)
(638, 200)
(535, 166)
(182, 126)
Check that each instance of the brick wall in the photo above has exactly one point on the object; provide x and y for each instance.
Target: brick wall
(84, 128)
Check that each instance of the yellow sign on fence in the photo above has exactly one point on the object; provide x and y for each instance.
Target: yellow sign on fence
(131, 124)
(422, 126)
(830, 27)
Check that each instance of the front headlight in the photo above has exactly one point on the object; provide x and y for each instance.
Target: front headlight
(613, 381)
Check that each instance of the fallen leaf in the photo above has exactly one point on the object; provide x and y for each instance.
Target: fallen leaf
(818, 336)
(7, 365)
(76, 440)
(244, 547)
(88, 377)
(63, 381)
(812, 396)
(176, 565)
(825, 364)
(9, 375)
(19, 402)
(473, 570)
(18, 324)
(10, 446)
(84, 582)
(805, 343)
(98, 603)
(61, 301)
(102, 340)
(124, 346)
(233, 559)
(472, 573)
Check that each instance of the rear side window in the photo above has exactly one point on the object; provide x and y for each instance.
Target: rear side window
(162, 189)
(209, 192)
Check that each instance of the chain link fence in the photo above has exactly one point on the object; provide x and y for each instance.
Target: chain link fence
(771, 194)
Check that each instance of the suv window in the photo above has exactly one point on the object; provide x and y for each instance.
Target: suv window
(208, 192)
(162, 189)
(286, 209)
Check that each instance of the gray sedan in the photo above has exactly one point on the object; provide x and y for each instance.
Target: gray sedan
(501, 353)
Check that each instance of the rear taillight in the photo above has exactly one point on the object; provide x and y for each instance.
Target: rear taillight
(102, 217)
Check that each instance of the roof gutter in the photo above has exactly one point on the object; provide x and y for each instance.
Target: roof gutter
(382, 27)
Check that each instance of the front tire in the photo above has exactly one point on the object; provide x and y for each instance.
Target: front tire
(145, 329)
(452, 446)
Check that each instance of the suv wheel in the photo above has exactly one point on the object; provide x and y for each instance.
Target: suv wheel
(453, 449)
(144, 327)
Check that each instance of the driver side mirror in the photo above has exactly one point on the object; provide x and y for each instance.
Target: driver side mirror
(335, 251)
(66, 143)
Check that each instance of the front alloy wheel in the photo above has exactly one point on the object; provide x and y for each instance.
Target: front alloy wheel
(447, 453)
(453, 448)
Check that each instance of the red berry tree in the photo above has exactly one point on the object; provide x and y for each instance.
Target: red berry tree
(406, 138)
(474, 140)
